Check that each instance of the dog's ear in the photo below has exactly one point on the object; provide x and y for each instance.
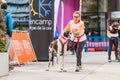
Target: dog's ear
(66, 34)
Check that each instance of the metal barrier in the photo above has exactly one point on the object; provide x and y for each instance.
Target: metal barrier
(97, 42)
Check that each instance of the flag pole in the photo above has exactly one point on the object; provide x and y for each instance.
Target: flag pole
(80, 7)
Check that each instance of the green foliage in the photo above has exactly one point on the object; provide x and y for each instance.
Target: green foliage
(93, 6)
(21, 27)
(2, 34)
(2, 45)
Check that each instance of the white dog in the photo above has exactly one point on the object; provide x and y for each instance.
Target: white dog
(58, 47)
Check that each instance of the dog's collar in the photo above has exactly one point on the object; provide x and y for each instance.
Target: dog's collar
(63, 37)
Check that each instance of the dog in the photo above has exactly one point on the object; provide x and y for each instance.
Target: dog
(59, 47)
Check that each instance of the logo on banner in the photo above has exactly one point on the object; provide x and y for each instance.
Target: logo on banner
(41, 8)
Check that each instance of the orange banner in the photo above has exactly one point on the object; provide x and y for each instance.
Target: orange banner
(22, 48)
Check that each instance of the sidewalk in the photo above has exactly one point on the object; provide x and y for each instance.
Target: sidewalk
(95, 67)
(108, 71)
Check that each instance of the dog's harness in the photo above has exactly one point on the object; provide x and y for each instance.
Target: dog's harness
(77, 43)
(78, 38)
(63, 43)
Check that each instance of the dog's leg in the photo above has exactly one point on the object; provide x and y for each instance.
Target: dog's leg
(63, 59)
(50, 57)
(62, 64)
(57, 56)
(58, 61)
(55, 52)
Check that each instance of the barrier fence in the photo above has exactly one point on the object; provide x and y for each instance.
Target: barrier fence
(96, 43)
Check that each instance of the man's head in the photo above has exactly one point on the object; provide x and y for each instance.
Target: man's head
(76, 16)
(4, 6)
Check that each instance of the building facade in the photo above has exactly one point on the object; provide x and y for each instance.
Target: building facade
(20, 12)
(97, 15)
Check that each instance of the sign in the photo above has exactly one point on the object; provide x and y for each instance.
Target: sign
(41, 26)
(21, 48)
(115, 14)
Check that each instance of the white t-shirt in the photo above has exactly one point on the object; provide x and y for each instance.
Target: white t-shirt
(75, 27)
(115, 34)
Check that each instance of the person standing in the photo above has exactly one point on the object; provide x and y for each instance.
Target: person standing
(8, 19)
(112, 34)
(9, 26)
(76, 25)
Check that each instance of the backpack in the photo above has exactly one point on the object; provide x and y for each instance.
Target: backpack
(2, 31)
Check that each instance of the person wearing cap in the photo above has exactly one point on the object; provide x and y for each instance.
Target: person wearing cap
(112, 34)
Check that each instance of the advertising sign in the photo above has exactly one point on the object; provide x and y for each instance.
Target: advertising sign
(41, 26)
(21, 48)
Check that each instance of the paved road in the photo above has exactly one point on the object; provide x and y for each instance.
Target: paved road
(95, 67)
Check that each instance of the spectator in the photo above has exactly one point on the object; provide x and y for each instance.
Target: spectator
(112, 34)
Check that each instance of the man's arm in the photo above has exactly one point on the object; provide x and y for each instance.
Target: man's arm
(9, 24)
(108, 32)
